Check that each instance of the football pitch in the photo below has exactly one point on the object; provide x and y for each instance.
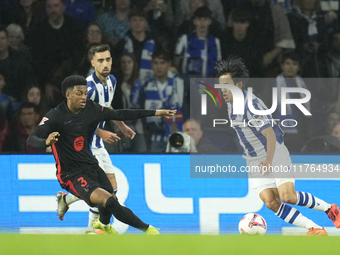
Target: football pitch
(165, 244)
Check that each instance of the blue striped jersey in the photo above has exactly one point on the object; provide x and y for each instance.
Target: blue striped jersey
(199, 56)
(249, 126)
(103, 95)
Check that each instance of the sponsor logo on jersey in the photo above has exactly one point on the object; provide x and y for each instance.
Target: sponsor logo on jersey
(78, 143)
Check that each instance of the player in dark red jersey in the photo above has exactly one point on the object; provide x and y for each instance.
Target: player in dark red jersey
(68, 128)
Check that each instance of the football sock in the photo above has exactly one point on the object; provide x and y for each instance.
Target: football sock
(124, 214)
(105, 215)
(308, 200)
(93, 215)
(293, 216)
(70, 199)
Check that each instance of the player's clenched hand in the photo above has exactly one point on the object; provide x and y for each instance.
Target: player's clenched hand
(165, 113)
(52, 138)
(265, 167)
(108, 136)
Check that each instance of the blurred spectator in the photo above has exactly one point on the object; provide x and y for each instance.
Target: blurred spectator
(85, 67)
(16, 40)
(336, 131)
(164, 91)
(33, 94)
(83, 10)
(269, 25)
(332, 57)
(127, 78)
(160, 17)
(202, 142)
(28, 119)
(5, 102)
(139, 42)
(238, 41)
(330, 10)
(198, 52)
(54, 40)
(93, 35)
(18, 71)
(310, 33)
(332, 118)
(115, 23)
(30, 13)
(325, 143)
(4, 128)
(186, 8)
(187, 26)
(296, 136)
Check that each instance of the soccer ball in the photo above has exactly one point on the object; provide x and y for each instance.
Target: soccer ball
(252, 224)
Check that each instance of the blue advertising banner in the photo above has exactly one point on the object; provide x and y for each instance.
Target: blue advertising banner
(158, 188)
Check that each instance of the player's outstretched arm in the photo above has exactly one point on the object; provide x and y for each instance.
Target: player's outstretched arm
(165, 113)
(129, 114)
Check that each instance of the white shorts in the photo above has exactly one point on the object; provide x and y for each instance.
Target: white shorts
(280, 175)
(104, 160)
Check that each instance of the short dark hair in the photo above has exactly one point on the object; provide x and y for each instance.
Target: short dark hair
(202, 12)
(293, 55)
(241, 15)
(100, 48)
(162, 54)
(234, 66)
(29, 105)
(72, 81)
(137, 13)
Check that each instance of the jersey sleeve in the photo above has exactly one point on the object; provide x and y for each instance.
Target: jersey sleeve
(92, 93)
(46, 126)
(104, 113)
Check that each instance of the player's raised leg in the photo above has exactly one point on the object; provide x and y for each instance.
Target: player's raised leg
(288, 195)
(63, 202)
(289, 214)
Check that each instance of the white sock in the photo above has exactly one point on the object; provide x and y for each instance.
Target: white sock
(70, 199)
(293, 216)
(93, 215)
(308, 200)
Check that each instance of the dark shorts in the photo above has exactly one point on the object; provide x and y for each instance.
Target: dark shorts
(84, 181)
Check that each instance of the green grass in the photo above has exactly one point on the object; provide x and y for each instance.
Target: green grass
(11, 244)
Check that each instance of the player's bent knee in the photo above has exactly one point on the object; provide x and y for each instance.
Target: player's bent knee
(100, 196)
(273, 205)
(288, 197)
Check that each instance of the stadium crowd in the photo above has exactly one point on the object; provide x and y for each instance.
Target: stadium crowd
(157, 46)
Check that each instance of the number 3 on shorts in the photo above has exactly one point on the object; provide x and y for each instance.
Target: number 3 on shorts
(83, 182)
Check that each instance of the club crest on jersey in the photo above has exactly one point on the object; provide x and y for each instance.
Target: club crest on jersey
(43, 121)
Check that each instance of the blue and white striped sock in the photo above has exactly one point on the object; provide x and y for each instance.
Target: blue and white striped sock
(308, 200)
(293, 216)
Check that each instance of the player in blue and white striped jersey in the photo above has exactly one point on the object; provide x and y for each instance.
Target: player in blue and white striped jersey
(100, 89)
(263, 144)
